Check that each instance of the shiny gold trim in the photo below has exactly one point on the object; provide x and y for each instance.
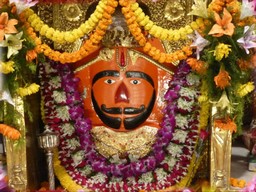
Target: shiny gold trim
(105, 54)
(135, 143)
(63, 20)
(174, 10)
(72, 12)
(136, 54)
(161, 14)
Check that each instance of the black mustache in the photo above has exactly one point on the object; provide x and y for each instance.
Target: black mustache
(118, 110)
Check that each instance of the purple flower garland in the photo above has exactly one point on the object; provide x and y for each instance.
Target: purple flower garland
(83, 126)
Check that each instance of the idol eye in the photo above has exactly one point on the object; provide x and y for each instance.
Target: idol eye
(135, 82)
(109, 81)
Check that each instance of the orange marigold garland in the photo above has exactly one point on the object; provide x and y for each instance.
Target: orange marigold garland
(88, 47)
(9, 132)
(31, 55)
(198, 65)
(66, 36)
(225, 124)
(92, 43)
(216, 6)
(152, 51)
(237, 183)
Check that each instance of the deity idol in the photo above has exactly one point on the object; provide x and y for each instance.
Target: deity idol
(126, 122)
(123, 93)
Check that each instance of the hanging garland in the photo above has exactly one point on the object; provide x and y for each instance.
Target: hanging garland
(152, 51)
(162, 33)
(171, 155)
(144, 21)
(67, 36)
(34, 24)
(9, 132)
(90, 45)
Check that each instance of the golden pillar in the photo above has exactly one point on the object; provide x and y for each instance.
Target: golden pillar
(23, 155)
(220, 154)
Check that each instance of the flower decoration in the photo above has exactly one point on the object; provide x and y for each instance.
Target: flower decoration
(6, 67)
(225, 63)
(222, 80)
(247, 9)
(31, 55)
(31, 89)
(6, 25)
(245, 89)
(237, 182)
(223, 25)
(251, 186)
(199, 42)
(14, 46)
(197, 65)
(225, 124)
(199, 8)
(224, 103)
(221, 50)
(171, 153)
(21, 5)
(249, 38)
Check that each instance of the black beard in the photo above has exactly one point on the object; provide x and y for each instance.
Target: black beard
(129, 123)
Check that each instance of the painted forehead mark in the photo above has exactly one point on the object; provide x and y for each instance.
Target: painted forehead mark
(106, 73)
(139, 74)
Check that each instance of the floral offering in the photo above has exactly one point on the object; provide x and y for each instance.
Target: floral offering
(213, 69)
(17, 63)
(224, 56)
(166, 165)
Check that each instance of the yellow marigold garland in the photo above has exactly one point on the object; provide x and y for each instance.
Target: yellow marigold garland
(157, 31)
(6, 67)
(92, 43)
(152, 51)
(205, 106)
(88, 47)
(66, 181)
(70, 36)
(65, 36)
(28, 90)
(244, 89)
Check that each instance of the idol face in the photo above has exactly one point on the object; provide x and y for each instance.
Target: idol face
(123, 99)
